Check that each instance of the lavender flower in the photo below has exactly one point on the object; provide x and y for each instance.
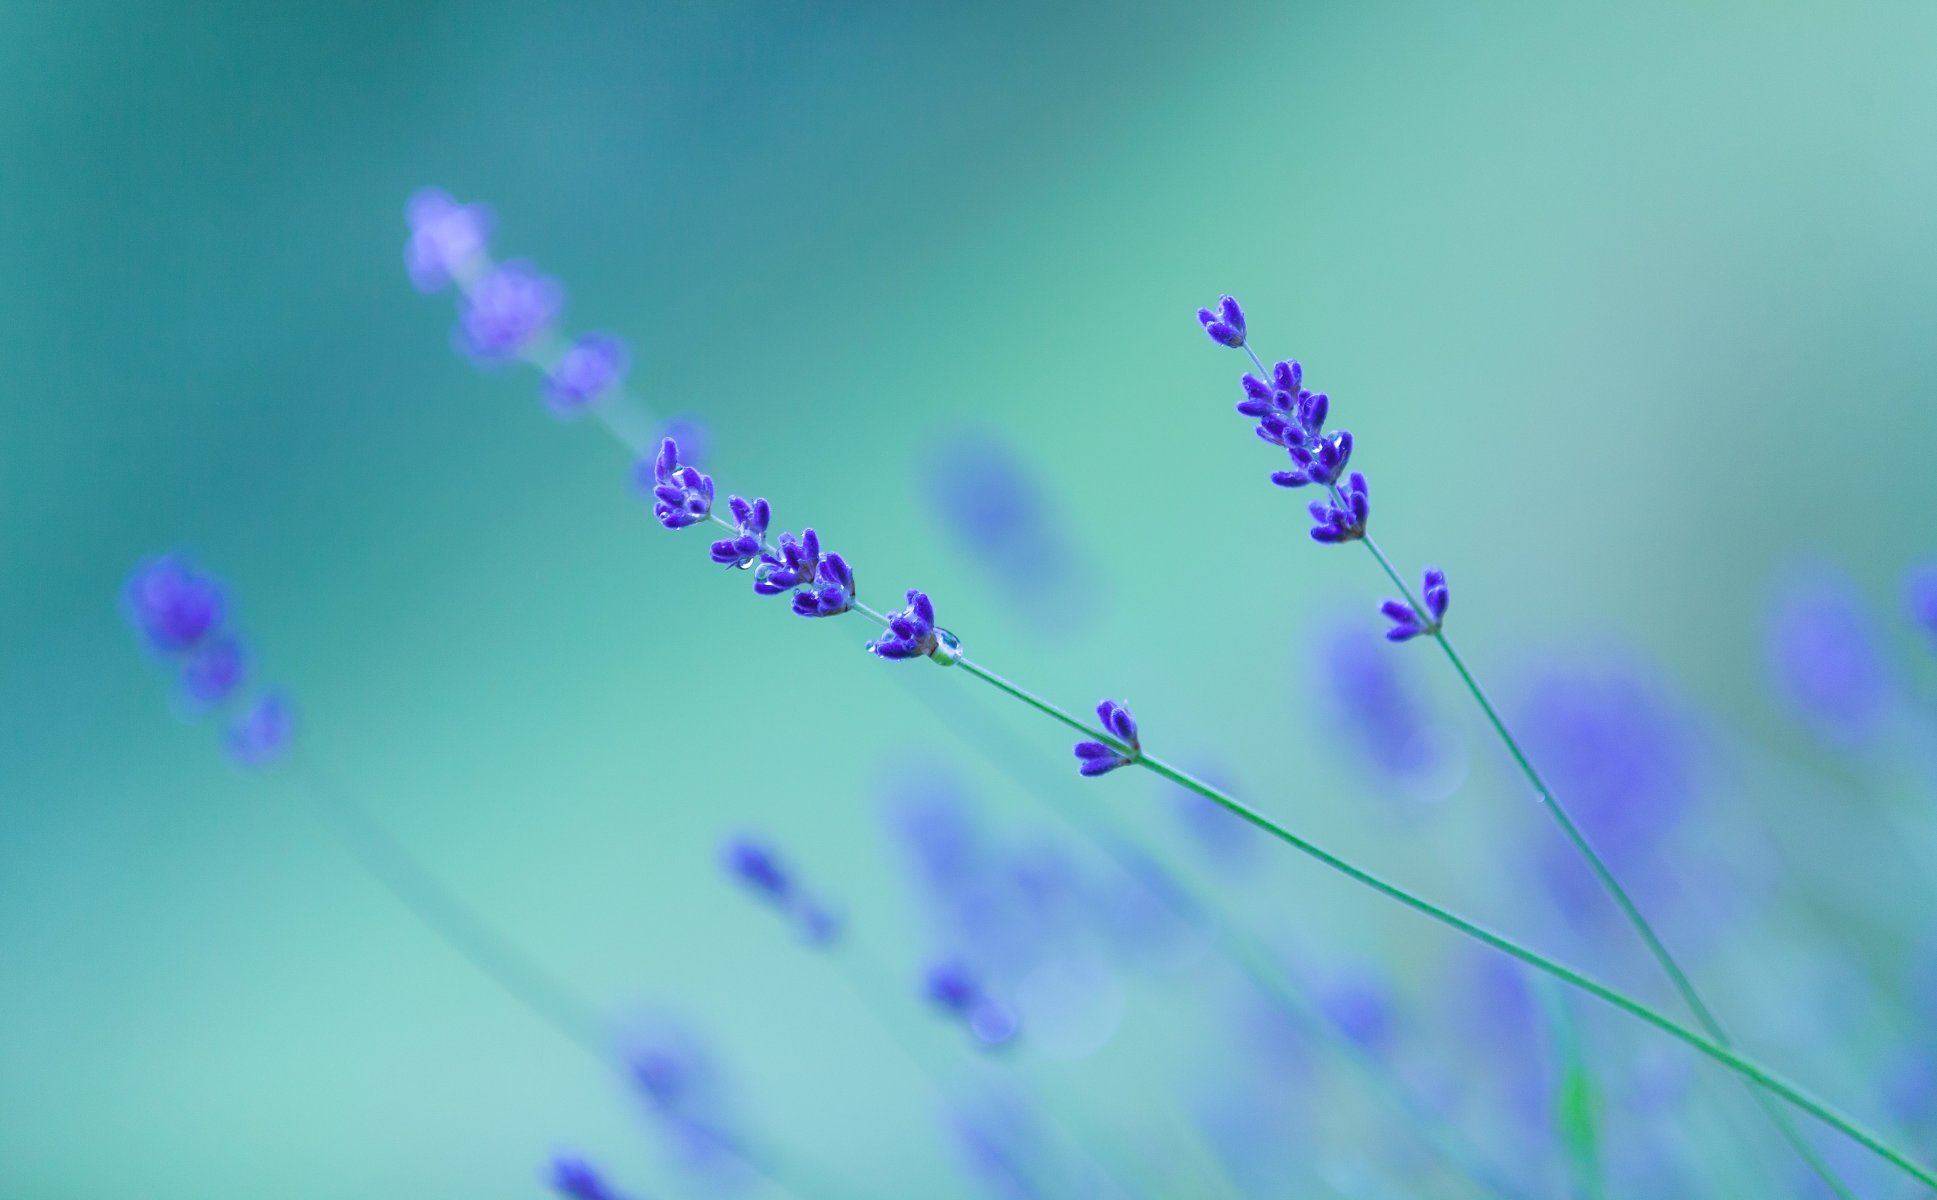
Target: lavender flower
(172, 604)
(1407, 621)
(447, 239)
(1826, 659)
(1099, 758)
(589, 367)
(214, 671)
(1342, 520)
(954, 989)
(794, 562)
(1922, 594)
(750, 519)
(754, 865)
(912, 633)
(833, 593)
(683, 1087)
(1226, 325)
(681, 495)
(1001, 517)
(260, 735)
(577, 1179)
(1359, 1006)
(505, 311)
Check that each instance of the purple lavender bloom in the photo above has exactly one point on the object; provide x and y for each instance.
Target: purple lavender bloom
(1826, 660)
(753, 864)
(577, 1179)
(172, 604)
(213, 671)
(1377, 708)
(951, 987)
(447, 239)
(911, 632)
(260, 735)
(1000, 515)
(1921, 591)
(1342, 520)
(743, 549)
(1225, 325)
(681, 495)
(1099, 758)
(505, 311)
(590, 366)
(1407, 621)
(1360, 1007)
(684, 1089)
(793, 563)
(833, 593)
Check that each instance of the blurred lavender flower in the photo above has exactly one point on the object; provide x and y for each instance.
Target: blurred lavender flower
(505, 311)
(750, 520)
(681, 495)
(1343, 519)
(172, 604)
(685, 1092)
(1825, 659)
(1225, 324)
(260, 735)
(1380, 715)
(1004, 1147)
(1359, 1005)
(1228, 839)
(447, 239)
(957, 991)
(994, 507)
(213, 671)
(694, 436)
(1099, 758)
(753, 864)
(1921, 591)
(588, 368)
(1407, 621)
(573, 1177)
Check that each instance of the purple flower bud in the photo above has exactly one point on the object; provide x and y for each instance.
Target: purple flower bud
(573, 1177)
(259, 736)
(911, 632)
(754, 864)
(590, 366)
(172, 604)
(1405, 621)
(506, 311)
(950, 987)
(447, 239)
(1225, 325)
(1097, 758)
(1436, 594)
(214, 671)
(1343, 520)
(681, 495)
(1826, 659)
(834, 594)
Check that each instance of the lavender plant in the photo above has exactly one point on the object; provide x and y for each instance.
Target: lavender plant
(505, 310)
(1292, 417)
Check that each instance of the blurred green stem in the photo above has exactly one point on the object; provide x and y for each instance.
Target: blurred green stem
(1683, 985)
(1714, 1048)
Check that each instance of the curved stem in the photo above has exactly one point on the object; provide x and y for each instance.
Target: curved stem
(1684, 986)
(1715, 1049)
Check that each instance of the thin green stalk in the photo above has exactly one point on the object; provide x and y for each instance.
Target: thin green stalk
(1659, 950)
(1715, 1049)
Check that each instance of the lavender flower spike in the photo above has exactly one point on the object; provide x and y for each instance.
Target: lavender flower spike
(750, 520)
(1407, 621)
(682, 496)
(1099, 758)
(506, 311)
(912, 633)
(447, 239)
(173, 605)
(1226, 325)
(577, 1179)
(1343, 520)
(834, 594)
(590, 367)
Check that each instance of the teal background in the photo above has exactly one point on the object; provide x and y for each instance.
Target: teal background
(1630, 310)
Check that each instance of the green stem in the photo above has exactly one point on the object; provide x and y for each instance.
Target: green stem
(1715, 1049)
(1656, 947)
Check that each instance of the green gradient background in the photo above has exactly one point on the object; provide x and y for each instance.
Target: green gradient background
(1628, 310)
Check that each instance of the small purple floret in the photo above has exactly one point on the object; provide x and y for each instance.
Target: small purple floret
(577, 1179)
(911, 632)
(1407, 621)
(793, 563)
(1225, 324)
(447, 239)
(681, 495)
(506, 311)
(260, 735)
(1343, 519)
(588, 368)
(753, 864)
(172, 604)
(750, 518)
(1099, 758)
(833, 593)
